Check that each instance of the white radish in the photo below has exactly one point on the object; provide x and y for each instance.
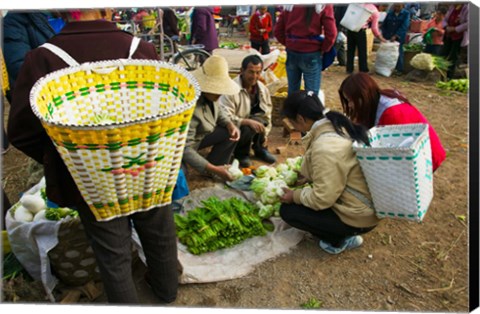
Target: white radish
(40, 215)
(34, 203)
(22, 214)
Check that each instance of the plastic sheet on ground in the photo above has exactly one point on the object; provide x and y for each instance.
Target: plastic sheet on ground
(237, 261)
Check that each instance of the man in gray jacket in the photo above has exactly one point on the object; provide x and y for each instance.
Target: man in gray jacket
(251, 110)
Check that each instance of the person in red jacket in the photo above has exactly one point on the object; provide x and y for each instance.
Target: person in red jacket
(260, 27)
(307, 32)
(365, 103)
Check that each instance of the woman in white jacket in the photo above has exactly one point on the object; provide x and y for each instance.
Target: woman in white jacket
(336, 206)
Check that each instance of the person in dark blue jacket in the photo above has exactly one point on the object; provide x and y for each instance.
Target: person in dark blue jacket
(23, 32)
(395, 27)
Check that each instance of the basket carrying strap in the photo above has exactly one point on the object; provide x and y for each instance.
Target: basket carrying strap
(350, 190)
(133, 46)
(62, 54)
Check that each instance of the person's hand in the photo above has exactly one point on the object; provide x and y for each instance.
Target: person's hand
(222, 172)
(383, 40)
(254, 125)
(450, 29)
(234, 132)
(287, 197)
(393, 38)
(301, 181)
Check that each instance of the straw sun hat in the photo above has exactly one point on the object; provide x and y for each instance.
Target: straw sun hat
(213, 77)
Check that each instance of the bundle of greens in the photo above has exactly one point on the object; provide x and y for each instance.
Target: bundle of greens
(441, 64)
(459, 85)
(218, 224)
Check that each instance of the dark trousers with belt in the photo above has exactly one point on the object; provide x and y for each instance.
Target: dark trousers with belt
(357, 40)
(112, 245)
(324, 224)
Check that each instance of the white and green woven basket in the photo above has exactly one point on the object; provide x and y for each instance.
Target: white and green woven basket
(398, 170)
(120, 126)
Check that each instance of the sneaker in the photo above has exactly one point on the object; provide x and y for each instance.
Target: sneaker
(348, 244)
(244, 161)
(264, 155)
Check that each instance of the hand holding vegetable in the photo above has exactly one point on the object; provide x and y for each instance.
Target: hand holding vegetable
(221, 171)
(287, 197)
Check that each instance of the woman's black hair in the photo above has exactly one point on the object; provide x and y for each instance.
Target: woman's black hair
(308, 105)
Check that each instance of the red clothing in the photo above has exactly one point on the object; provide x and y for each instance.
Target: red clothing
(437, 35)
(258, 22)
(292, 32)
(406, 113)
(454, 20)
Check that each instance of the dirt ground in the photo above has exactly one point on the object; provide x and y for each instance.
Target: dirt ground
(402, 266)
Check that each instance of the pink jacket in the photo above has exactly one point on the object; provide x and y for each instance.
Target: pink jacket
(373, 19)
(463, 27)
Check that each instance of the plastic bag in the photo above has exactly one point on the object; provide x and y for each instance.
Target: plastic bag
(386, 60)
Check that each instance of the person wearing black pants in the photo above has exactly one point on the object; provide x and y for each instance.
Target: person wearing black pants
(357, 40)
(210, 125)
(324, 224)
(336, 204)
(250, 138)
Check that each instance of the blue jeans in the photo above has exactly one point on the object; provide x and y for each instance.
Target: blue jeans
(399, 66)
(307, 63)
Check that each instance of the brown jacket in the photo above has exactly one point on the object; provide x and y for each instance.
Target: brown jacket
(331, 165)
(85, 41)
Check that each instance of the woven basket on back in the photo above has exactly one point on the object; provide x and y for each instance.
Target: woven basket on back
(120, 127)
(398, 170)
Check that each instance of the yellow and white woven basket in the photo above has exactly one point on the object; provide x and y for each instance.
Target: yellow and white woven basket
(398, 170)
(120, 127)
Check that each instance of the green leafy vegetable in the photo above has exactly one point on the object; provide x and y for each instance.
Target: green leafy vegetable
(218, 224)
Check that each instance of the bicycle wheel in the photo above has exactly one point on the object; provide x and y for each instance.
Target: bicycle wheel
(191, 59)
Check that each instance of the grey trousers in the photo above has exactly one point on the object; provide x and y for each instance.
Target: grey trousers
(112, 245)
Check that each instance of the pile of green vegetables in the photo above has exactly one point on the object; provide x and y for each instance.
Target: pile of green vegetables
(416, 47)
(429, 62)
(218, 224)
(267, 187)
(228, 45)
(459, 85)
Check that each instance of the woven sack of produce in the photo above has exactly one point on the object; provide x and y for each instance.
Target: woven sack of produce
(72, 259)
(398, 170)
(120, 126)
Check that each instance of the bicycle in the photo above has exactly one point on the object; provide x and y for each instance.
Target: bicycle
(169, 49)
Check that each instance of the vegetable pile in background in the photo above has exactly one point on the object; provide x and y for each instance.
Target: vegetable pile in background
(428, 62)
(269, 182)
(416, 47)
(33, 207)
(228, 45)
(459, 85)
(218, 224)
